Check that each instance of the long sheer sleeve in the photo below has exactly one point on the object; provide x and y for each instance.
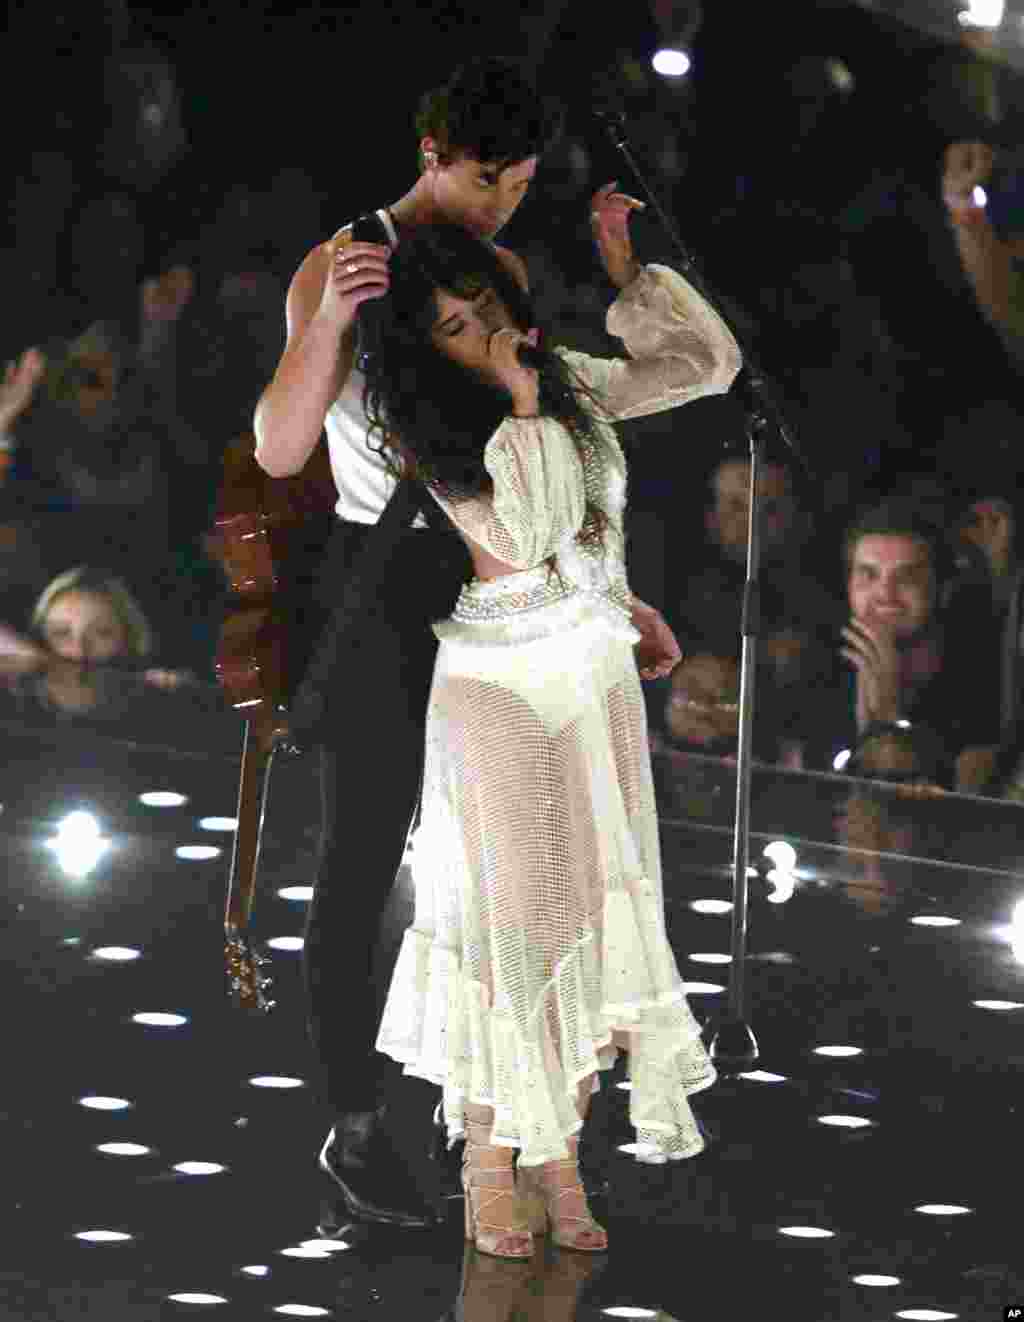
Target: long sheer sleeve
(679, 348)
(539, 499)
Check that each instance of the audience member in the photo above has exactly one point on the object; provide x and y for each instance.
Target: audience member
(909, 661)
(706, 613)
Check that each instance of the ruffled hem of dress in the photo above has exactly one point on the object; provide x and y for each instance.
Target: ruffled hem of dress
(442, 1027)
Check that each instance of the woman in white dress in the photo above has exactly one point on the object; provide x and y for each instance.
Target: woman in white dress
(538, 948)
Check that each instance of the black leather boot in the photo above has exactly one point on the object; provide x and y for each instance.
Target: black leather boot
(374, 1182)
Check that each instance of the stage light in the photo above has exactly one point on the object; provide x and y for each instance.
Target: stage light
(942, 1209)
(199, 1168)
(762, 1076)
(197, 851)
(218, 823)
(671, 63)
(286, 943)
(876, 1280)
(303, 894)
(806, 1232)
(703, 988)
(152, 1020)
(711, 906)
(102, 1236)
(838, 1051)
(840, 760)
(845, 1121)
(162, 799)
(982, 14)
(784, 883)
(78, 845)
(195, 1298)
(117, 954)
(104, 1103)
(302, 1310)
(781, 854)
(275, 1081)
(712, 957)
(123, 1149)
(256, 1270)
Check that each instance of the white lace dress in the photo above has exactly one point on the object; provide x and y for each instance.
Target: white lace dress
(539, 927)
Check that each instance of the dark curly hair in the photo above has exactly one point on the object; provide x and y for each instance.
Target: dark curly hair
(491, 112)
(434, 416)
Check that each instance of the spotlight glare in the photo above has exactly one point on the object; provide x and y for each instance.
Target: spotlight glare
(806, 1232)
(845, 1121)
(195, 1298)
(286, 943)
(199, 1168)
(116, 954)
(934, 920)
(162, 799)
(197, 851)
(671, 63)
(942, 1209)
(869, 1279)
(301, 1310)
(703, 988)
(762, 1076)
(838, 1051)
(623, 1310)
(159, 1020)
(275, 1081)
(102, 1236)
(998, 1005)
(104, 1103)
(841, 758)
(711, 957)
(256, 1270)
(123, 1149)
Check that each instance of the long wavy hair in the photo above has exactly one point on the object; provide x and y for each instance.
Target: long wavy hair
(434, 416)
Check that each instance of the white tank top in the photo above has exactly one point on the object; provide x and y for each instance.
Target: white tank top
(364, 483)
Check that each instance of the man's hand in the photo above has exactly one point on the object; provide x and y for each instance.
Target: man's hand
(872, 652)
(657, 653)
(18, 386)
(164, 298)
(609, 220)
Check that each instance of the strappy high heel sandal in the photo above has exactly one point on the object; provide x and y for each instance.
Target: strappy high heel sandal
(546, 1191)
(486, 1183)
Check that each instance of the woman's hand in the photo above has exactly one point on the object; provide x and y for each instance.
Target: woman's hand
(522, 383)
(609, 220)
(657, 652)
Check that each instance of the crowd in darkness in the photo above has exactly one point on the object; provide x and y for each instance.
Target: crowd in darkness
(891, 576)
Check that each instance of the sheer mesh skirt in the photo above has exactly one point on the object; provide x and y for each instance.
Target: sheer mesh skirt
(539, 928)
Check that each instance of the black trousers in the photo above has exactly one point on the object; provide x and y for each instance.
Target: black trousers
(371, 747)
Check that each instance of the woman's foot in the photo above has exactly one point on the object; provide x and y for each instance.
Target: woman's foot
(494, 1215)
(558, 1183)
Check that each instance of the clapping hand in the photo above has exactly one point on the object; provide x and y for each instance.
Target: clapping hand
(871, 650)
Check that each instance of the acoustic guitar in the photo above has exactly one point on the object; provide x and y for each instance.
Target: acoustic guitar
(262, 528)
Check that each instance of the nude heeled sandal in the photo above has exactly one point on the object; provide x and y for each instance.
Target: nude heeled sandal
(541, 1194)
(497, 1181)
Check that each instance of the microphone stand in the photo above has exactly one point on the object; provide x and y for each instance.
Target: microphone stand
(733, 1047)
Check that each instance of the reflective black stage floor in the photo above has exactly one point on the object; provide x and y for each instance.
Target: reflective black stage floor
(873, 1182)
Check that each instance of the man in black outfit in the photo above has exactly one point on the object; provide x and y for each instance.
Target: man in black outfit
(480, 138)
